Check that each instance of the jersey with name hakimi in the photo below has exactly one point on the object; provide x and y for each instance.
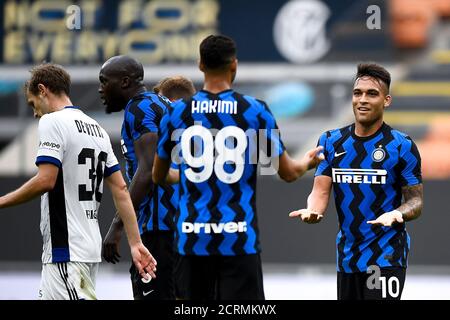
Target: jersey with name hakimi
(81, 149)
(218, 136)
(368, 174)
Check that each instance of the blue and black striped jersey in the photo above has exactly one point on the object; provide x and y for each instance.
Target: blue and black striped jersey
(142, 115)
(368, 174)
(217, 137)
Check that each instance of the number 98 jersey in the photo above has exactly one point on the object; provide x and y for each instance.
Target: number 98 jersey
(217, 141)
(82, 151)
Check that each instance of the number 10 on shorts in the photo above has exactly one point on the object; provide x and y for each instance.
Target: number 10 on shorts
(389, 285)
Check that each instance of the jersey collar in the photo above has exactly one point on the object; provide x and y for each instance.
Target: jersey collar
(368, 137)
(218, 93)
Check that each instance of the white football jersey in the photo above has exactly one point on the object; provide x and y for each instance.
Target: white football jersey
(82, 150)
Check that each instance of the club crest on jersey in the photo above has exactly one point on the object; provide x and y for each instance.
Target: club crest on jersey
(378, 154)
(359, 176)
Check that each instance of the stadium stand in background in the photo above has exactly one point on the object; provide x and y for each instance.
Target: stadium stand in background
(422, 99)
(307, 98)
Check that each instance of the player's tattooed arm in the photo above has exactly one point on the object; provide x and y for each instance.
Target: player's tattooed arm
(413, 202)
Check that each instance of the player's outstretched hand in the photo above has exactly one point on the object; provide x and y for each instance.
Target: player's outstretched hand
(111, 244)
(388, 219)
(313, 157)
(308, 216)
(144, 261)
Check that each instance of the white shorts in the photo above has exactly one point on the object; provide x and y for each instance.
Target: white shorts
(68, 281)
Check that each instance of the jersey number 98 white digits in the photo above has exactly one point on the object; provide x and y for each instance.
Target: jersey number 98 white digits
(225, 154)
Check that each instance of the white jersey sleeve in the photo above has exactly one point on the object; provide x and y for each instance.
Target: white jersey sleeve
(51, 142)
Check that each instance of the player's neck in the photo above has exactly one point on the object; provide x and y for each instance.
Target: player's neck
(366, 130)
(60, 103)
(136, 91)
(216, 83)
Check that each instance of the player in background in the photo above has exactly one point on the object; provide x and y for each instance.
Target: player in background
(74, 159)
(216, 223)
(175, 88)
(371, 167)
(122, 88)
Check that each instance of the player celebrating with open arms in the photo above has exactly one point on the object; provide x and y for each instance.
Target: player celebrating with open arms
(371, 167)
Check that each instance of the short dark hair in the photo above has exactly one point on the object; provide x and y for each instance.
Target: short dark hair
(174, 88)
(375, 71)
(217, 51)
(52, 76)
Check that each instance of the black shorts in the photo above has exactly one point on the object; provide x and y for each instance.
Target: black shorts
(386, 285)
(180, 277)
(221, 277)
(160, 245)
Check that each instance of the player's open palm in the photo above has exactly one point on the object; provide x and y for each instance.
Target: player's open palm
(307, 215)
(144, 261)
(388, 219)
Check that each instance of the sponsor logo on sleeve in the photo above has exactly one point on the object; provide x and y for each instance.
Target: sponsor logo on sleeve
(49, 145)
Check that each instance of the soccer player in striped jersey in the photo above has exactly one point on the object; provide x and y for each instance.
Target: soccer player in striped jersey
(216, 223)
(175, 88)
(371, 167)
(122, 88)
(74, 160)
